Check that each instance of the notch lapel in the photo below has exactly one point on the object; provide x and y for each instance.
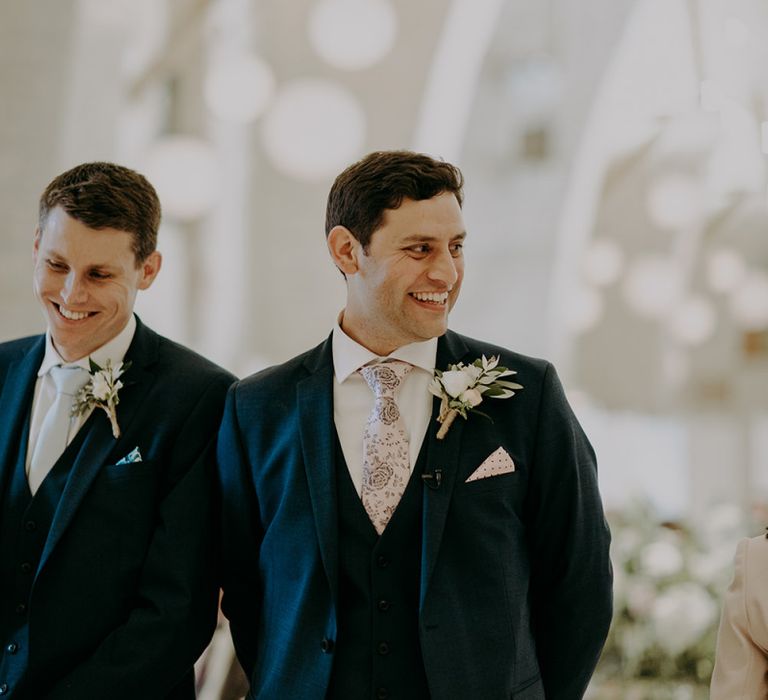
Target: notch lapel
(16, 404)
(316, 430)
(442, 455)
(99, 442)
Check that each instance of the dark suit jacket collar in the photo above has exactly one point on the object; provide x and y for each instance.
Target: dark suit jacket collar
(99, 446)
(314, 395)
(315, 405)
(16, 403)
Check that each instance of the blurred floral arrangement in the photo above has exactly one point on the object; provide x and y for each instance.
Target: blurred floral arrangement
(668, 583)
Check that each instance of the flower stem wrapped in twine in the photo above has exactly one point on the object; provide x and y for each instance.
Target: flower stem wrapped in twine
(447, 422)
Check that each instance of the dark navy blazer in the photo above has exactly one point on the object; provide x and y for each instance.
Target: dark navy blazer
(124, 597)
(515, 581)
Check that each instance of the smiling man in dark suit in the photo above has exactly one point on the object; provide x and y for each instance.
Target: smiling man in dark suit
(371, 551)
(107, 431)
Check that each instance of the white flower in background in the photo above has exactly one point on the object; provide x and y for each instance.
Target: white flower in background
(641, 595)
(624, 544)
(714, 567)
(681, 614)
(724, 523)
(660, 559)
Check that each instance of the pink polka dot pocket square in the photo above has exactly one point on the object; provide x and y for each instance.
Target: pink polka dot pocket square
(497, 463)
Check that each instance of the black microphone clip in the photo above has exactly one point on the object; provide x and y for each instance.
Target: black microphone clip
(434, 479)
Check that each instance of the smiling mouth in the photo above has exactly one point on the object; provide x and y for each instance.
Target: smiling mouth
(436, 298)
(72, 315)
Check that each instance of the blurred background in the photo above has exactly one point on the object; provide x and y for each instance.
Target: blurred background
(616, 203)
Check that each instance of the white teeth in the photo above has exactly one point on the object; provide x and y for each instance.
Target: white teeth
(73, 315)
(434, 297)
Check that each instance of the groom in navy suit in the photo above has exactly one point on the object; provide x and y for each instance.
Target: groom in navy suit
(107, 573)
(371, 551)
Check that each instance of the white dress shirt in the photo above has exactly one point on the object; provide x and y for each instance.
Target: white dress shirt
(353, 399)
(45, 391)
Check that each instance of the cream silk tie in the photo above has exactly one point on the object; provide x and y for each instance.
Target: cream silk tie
(52, 439)
(386, 461)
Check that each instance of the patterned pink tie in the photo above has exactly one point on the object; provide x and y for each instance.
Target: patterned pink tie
(386, 460)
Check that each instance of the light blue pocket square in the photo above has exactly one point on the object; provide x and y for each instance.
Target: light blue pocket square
(133, 456)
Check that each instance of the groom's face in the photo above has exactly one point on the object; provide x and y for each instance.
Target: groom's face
(86, 281)
(408, 280)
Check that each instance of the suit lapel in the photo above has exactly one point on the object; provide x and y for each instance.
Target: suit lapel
(442, 455)
(98, 442)
(316, 427)
(16, 404)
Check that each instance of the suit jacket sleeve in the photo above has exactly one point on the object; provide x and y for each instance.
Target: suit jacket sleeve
(174, 612)
(741, 663)
(571, 576)
(240, 537)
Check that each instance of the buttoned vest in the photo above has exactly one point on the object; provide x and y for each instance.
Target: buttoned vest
(377, 653)
(24, 525)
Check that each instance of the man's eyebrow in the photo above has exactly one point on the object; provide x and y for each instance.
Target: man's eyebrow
(423, 238)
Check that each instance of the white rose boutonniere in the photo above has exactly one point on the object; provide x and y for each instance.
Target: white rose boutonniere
(462, 388)
(102, 392)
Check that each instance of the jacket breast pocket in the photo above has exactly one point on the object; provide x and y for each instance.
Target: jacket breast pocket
(491, 483)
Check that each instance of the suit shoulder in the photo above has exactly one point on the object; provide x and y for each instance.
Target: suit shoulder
(509, 358)
(280, 376)
(179, 360)
(11, 350)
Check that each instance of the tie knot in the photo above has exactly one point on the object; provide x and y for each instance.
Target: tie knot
(385, 377)
(69, 380)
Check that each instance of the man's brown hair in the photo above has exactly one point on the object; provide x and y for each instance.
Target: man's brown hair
(380, 181)
(105, 195)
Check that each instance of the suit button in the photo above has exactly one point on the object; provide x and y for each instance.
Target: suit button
(3, 688)
(382, 562)
(21, 608)
(12, 648)
(326, 645)
(30, 526)
(384, 605)
(26, 567)
(382, 693)
(383, 648)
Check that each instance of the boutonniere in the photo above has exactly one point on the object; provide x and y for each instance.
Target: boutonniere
(102, 392)
(462, 388)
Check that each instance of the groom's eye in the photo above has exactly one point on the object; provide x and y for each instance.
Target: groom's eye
(56, 266)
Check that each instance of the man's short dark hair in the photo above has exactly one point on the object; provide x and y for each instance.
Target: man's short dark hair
(380, 181)
(105, 195)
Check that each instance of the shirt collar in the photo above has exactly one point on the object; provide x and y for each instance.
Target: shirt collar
(113, 350)
(349, 355)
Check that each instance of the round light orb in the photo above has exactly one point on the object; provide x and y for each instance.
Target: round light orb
(238, 88)
(693, 321)
(314, 129)
(749, 302)
(603, 262)
(674, 201)
(584, 309)
(725, 270)
(185, 174)
(652, 285)
(534, 87)
(352, 34)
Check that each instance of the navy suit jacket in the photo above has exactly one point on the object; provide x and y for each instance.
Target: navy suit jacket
(515, 581)
(124, 598)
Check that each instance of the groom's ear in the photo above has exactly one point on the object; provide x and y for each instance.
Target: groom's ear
(344, 249)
